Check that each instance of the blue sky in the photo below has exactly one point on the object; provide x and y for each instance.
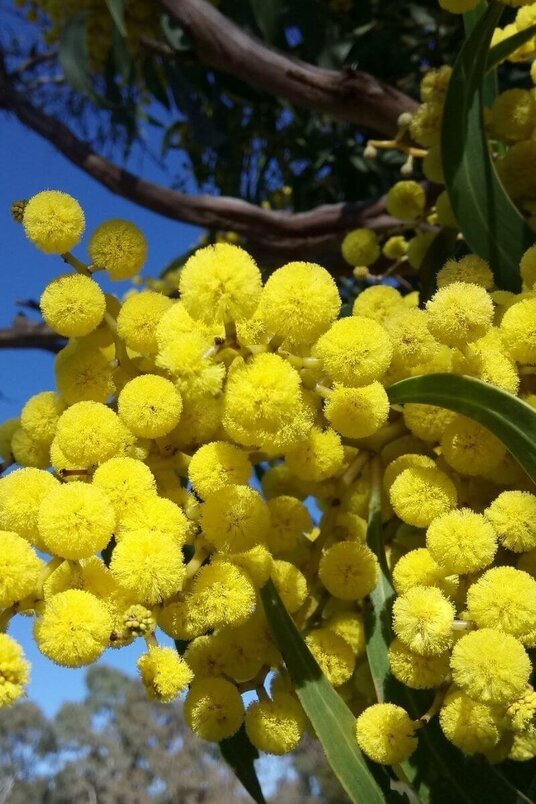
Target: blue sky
(30, 165)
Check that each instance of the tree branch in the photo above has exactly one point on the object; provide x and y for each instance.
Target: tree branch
(27, 334)
(353, 96)
(280, 233)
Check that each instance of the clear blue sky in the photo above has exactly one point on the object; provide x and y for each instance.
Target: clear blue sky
(28, 165)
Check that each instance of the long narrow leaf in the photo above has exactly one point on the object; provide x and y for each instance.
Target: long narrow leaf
(489, 221)
(332, 721)
(240, 755)
(117, 12)
(504, 415)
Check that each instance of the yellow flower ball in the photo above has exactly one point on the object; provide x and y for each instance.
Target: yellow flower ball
(119, 247)
(318, 457)
(276, 726)
(406, 200)
(183, 620)
(434, 84)
(217, 465)
(357, 412)
(150, 406)
(490, 666)
(53, 221)
(20, 568)
(355, 351)
(125, 482)
(156, 515)
(73, 305)
(432, 165)
(235, 518)
(90, 433)
(469, 269)
(192, 371)
(395, 247)
(21, 493)
(523, 746)
(351, 627)
(518, 328)
(205, 655)
(257, 562)
(386, 734)
(419, 494)
(138, 320)
(471, 726)
(411, 339)
(528, 265)
(425, 126)
(377, 302)
(264, 404)
(39, 416)
(513, 115)
(360, 247)
(419, 245)
(423, 619)
(418, 568)
(333, 654)
(513, 517)
(504, 598)
(299, 302)
(164, 673)
(76, 520)
(469, 448)
(427, 422)
(213, 709)
(225, 594)
(459, 313)
(461, 541)
(220, 283)
(83, 373)
(291, 585)
(349, 570)
(28, 452)
(7, 429)
(148, 566)
(75, 628)
(14, 671)
(289, 522)
(416, 671)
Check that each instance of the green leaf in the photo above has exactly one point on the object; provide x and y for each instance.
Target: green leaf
(500, 52)
(437, 253)
(266, 13)
(489, 221)
(332, 721)
(73, 55)
(117, 12)
(489, 81)
(510, 419)
(240, 755)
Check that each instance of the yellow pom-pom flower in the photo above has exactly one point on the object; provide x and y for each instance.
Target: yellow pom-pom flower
(461, 541)
(386, 733)
(355, 351)
(28, 452)
(459, 313)
(276, 726)
(504, 598)
(351, 627)
(395, 247)
(423, 619)
(471, 726)
(21, 493)
(75, 628)
(318, 457)
(357, 412)
(405, 461)
(360, 247)
(333, 654)
(264, 404)
(349, 570)
(471, 268)
(53, 221)
(138, 320)
(419, 494)
(235, 518)
(216, 465)
(291, 585)
(19, 569)
(377, 302)
(418, 568)
(148, 566)
(76, 520)
(519, 331)
(289, 521)
(7, 429)
(39, 416)
(185, 358)
(119, 247)
(164, 673)
(528, 266)
(213, 709)
(220, 283)
(513, 517)
(416, 671)
(14, 670)
(469, 448)
(225, 594)
(513, 115)
(427, 422)
(299, 302)
(406, 200)
(125, 481)
(83, 373)
(73, 305)
(90, 433)
(490, 666)
(150, 406)
(411, 339)
(156, 515)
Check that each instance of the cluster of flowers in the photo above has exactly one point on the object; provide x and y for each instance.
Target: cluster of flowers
(134, 509)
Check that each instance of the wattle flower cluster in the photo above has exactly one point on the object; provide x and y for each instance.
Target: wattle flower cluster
(182, 458)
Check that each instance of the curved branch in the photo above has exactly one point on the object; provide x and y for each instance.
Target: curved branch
(353, 96)
(279, 232)
(27, 334)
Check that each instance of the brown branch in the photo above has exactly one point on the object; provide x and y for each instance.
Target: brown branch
(353, 96)
(28, 334)
(278, 232)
